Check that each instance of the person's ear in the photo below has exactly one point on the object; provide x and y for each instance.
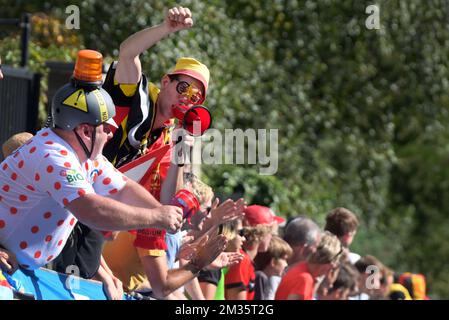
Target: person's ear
(273, 262)
(165, 81)
(84, 130)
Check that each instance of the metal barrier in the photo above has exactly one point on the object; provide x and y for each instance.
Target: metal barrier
(19, 102)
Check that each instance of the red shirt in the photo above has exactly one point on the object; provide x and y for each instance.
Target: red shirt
(242, 276)
(297, 280)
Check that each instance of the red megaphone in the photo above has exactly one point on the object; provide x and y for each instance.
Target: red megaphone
(189, 116)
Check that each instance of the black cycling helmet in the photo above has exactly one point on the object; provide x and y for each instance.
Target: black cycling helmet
(72, 106)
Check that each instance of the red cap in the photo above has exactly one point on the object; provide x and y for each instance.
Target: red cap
(255, 215)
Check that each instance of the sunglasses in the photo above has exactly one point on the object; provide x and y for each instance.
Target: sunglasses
(192, 93)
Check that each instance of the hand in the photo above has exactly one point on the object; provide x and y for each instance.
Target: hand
(208, 251)
(226, 259)
(178, 18)
(227, 211)
(190, 245)
(189, 249)
(169, 218)
(8, 261)
(182, 146)
(114, 288)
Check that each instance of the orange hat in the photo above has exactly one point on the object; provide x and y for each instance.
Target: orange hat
(195, 69)
(255, 215)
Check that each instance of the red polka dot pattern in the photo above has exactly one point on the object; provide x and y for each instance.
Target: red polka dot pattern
(47, 215)
(50, 169)
(57, 185)
(2, 224)
(31, 188)
(13, 210)
(48, 238)
(32, 149)
(14, 176)
(23, 245)
(35, 229)
(21, 163)
(23, 198)
(113, 191)
(63, 152)
(106, 181)
(37, 254)
(5, 188)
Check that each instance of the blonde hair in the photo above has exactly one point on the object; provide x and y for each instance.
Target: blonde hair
(229, 229)
(202, 191)
(14, 142)
(329, 249)
(255, 234)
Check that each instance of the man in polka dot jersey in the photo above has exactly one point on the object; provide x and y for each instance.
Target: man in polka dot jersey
(60, 176)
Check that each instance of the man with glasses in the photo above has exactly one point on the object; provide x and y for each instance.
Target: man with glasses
(144, 114)
(60, 176)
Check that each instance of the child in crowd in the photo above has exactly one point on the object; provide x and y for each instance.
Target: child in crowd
(343, 223)
(270, 266)
(344, 284)
(258, 226)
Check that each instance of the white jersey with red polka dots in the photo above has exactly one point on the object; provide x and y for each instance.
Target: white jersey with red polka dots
(37, 182)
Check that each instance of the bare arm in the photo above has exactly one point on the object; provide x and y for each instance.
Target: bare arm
(175, 176)
(209, 290)
(164, 281)
(113, 286)
(108, 214)
(193, 286)
(136, 195)
(129, 68)
(172, 183)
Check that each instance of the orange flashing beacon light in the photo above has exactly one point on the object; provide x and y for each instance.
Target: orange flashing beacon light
(88, 66)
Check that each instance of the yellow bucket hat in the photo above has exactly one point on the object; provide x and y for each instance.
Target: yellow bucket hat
(193, 68)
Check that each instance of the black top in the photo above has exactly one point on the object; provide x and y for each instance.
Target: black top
(210, 276)
(83, 250)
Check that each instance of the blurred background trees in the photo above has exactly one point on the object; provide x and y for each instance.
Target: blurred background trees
(362, 114)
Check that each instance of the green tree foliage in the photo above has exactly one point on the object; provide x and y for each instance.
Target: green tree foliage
(362, 114)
